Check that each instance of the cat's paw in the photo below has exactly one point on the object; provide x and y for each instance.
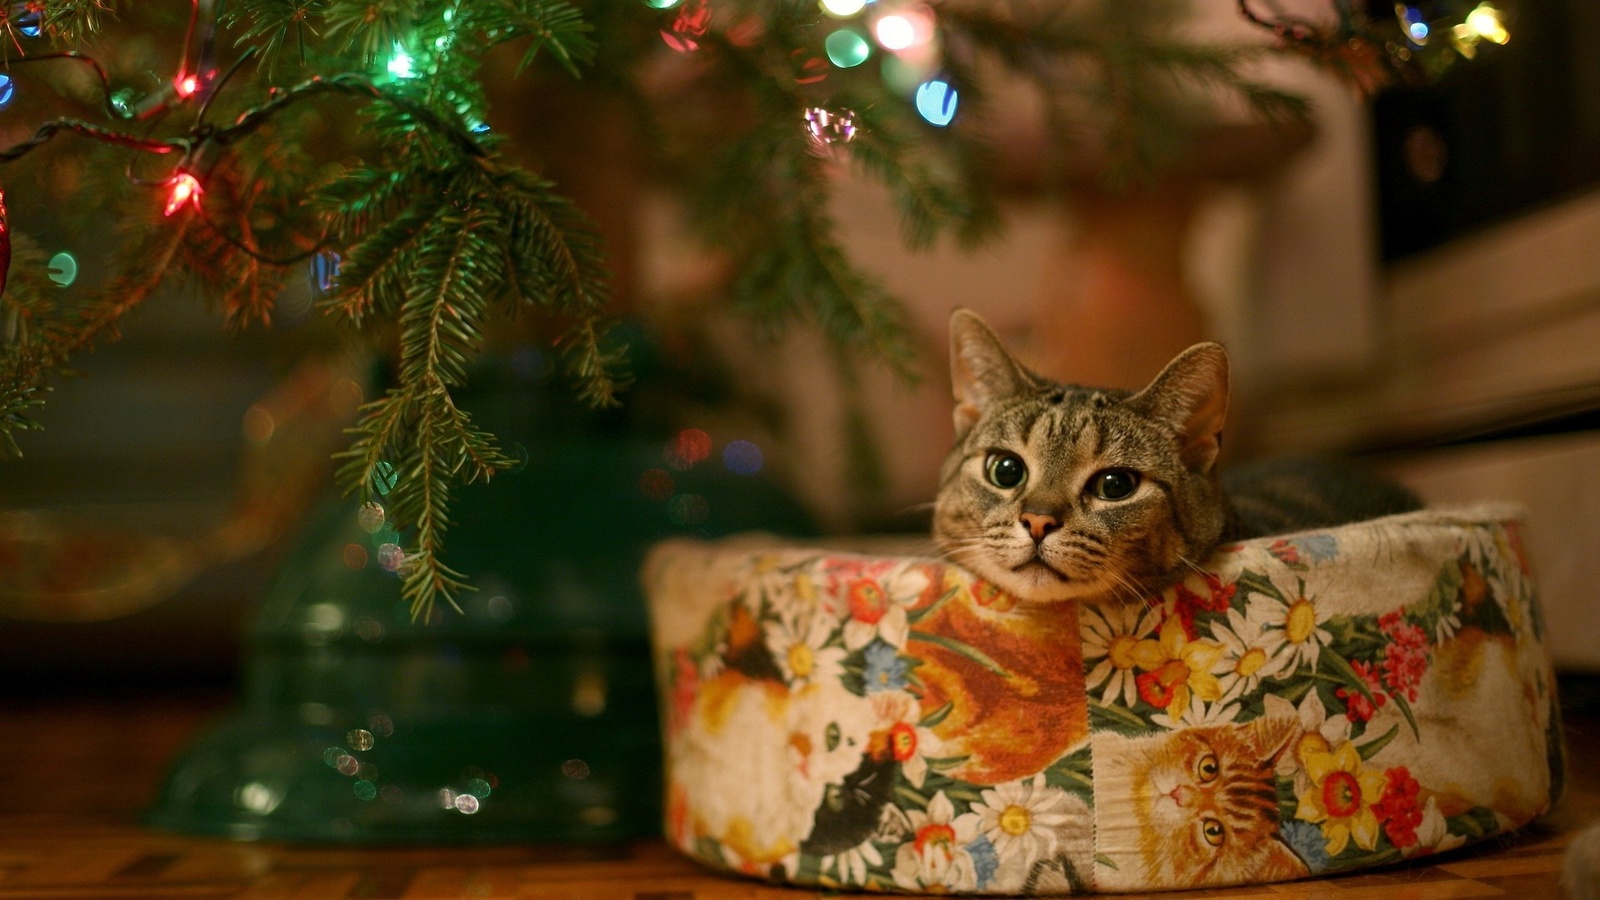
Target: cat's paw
(1580, 871)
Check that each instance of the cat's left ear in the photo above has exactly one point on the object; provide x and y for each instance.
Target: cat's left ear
(1191, 395)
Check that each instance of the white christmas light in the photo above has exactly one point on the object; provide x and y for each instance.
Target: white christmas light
(1486, 23)
(843, 9)
(895, 32)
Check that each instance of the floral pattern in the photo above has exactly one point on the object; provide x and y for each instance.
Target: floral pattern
(845, 692)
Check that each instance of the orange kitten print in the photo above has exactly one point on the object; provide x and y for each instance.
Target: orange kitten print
(1193, 808)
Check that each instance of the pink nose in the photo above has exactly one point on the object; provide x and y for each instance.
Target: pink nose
(1039, 524)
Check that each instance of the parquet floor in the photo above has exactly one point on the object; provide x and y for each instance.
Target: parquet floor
(76, 773)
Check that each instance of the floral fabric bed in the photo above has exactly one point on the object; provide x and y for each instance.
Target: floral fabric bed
(1309, 704)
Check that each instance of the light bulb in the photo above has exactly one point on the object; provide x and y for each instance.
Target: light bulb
(185, 189)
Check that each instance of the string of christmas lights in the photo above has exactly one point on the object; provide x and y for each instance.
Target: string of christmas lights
(1412, 45)
(427, 226)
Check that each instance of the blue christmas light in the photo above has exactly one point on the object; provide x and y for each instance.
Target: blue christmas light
(8, 89)
(28, 23)
(1416, 27)
(324, 269)
(936, 101)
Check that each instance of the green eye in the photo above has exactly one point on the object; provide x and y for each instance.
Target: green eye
(1113, 484)
(1212, 829)
(830, 736)
(1005, 470)
(1207, 768)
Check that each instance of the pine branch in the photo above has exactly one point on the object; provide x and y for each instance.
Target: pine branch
(372, 28)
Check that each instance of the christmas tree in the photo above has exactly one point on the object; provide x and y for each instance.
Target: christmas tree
(236, 145)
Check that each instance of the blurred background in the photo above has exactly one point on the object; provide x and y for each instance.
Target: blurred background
(1411, 278)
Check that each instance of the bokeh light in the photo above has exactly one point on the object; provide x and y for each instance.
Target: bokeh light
(843, 9)
(691, 446)
(688, 509)
(63, 269)
(466, 803)
(370, 517)
(400, 63)
(846, 48)
(1412, 23)
(355, 557)
(359, 739)
(742, 457)
(575, 769)
(365, 790)
(258, 425)
(391, 557)
(657, 484)
(895, 32)
(8, 89)
(384, 477)
(323, 270)
(936, 101)
(661, 4)
(1486, 22)
(688, 26)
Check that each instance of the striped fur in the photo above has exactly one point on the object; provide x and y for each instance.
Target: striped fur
(1168, 434)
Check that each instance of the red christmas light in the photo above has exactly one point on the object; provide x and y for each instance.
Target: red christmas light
(185, 189)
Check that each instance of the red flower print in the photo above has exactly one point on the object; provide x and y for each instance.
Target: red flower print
(990, 596)
(1285, 551)
(1405, 658)
(1359, 708)
(1397, 809)
(1217, 597)
(868, 602)
(1158, 688)
(1403, 668)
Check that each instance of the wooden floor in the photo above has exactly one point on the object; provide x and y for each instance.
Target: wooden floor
(76, 773)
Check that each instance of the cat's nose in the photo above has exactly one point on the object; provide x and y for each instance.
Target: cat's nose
(1039, 524)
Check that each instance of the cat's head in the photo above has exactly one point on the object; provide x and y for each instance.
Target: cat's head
(1197, 806)
(1059, 492)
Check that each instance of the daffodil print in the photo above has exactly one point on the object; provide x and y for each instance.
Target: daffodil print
(937, 854)
(897, 724)
(1175, 669)
(1340, 797)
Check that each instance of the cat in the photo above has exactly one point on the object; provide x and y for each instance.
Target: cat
(1059, 492)
(1192, 808)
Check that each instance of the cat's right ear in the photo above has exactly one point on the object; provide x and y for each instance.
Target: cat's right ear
(981, 371)
(1191, 395)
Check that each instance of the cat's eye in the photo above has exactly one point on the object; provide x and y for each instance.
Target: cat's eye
(830, 736)
(1213, 831)
(1113, 484)
(1005, 470)
(1207, 768)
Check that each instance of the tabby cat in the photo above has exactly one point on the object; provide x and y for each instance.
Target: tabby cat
(1060, 492)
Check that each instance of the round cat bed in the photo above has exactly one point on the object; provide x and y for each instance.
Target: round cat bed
(1311, 703)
